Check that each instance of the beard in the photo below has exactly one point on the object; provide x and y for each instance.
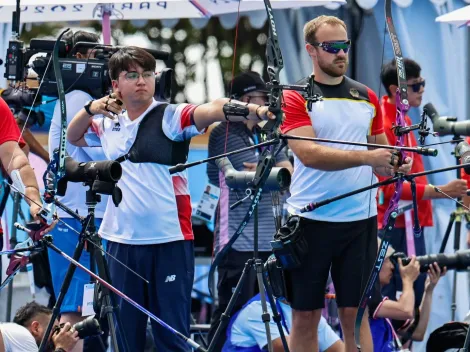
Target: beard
(333, 69)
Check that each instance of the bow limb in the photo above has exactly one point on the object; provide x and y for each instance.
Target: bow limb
(274, 66)
(390, 215)
(56, 168)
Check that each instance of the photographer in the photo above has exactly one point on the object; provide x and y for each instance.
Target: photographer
(389, 318)
(13, 159)
(246, 330)
(248, 87)
(74, 198)
(28, 328)
(424, 192)
(151, 229)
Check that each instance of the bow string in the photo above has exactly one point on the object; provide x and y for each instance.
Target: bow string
(266, 161)
(402, 107)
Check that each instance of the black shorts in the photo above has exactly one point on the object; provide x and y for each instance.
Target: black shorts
(348, 248)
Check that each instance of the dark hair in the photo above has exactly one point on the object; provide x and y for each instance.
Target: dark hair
(389, 72)
(30, 310)
(71, 38)
(130, 57)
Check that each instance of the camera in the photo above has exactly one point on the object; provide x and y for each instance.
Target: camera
(89, 75)
(22, 102)
(459, 260)
(85, 328)
(278, 180)
(446, 125)
(101, 176)
(106, 171)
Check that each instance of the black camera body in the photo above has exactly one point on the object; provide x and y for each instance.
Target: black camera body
(85, 328)
(90, 75)
(92, 78)
(459, 261)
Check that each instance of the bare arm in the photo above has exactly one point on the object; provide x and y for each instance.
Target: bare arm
(378, 139)
(2, 345)
(10, 151)
(338, 346)
(78, 127)
(402, 309)
(34, 146)
(278, 346)
(434, 274)
(321, 157)
(206, 114)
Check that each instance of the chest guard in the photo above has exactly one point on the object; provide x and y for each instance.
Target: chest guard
(151, 145)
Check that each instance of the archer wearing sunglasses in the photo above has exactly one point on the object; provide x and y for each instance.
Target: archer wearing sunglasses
(342, 235)
(455, 188)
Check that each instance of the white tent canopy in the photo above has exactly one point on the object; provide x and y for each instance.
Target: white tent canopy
(459, 17)
(73, 10)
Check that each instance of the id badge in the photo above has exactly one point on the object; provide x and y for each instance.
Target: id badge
(88, 294)
(208, 203)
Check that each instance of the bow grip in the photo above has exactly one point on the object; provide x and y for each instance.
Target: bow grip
(272, 125)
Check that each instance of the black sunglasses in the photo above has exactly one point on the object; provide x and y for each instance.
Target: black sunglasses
(416, 87)
(334, 47)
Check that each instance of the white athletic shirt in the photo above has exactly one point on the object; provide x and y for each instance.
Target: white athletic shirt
(75, 195)
(156, 206)
(17, 338)
(248, 328)
(349, 111)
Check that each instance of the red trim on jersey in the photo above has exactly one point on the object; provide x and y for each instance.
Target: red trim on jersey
(389, 111)
(95, 127)
(186, 116)
(295, 110)
(374, 315)
(183, 204)
(377, 124)
(9, 131)
(462, 171)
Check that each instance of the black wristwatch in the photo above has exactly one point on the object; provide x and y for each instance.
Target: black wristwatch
(87, 107)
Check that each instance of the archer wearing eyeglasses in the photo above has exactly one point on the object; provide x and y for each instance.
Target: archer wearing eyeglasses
(151, 230)
(455, 188)
(341, 235)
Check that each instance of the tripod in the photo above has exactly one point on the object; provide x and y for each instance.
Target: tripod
(455, 216)
(88, 234)
(254, 263)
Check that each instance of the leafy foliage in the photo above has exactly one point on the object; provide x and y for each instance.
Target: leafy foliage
(192, 50)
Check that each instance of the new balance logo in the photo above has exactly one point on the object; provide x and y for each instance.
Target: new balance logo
(117, 126)
(170, 278)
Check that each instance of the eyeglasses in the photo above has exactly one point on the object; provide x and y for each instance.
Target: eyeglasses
(416, 87)
(334, 47)
(133, 76)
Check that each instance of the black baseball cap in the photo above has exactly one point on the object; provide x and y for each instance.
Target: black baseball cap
(247, 82)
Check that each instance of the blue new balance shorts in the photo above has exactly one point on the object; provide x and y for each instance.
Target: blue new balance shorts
(169, 269)
(66, 240)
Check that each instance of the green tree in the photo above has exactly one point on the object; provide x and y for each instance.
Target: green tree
(213, 42)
